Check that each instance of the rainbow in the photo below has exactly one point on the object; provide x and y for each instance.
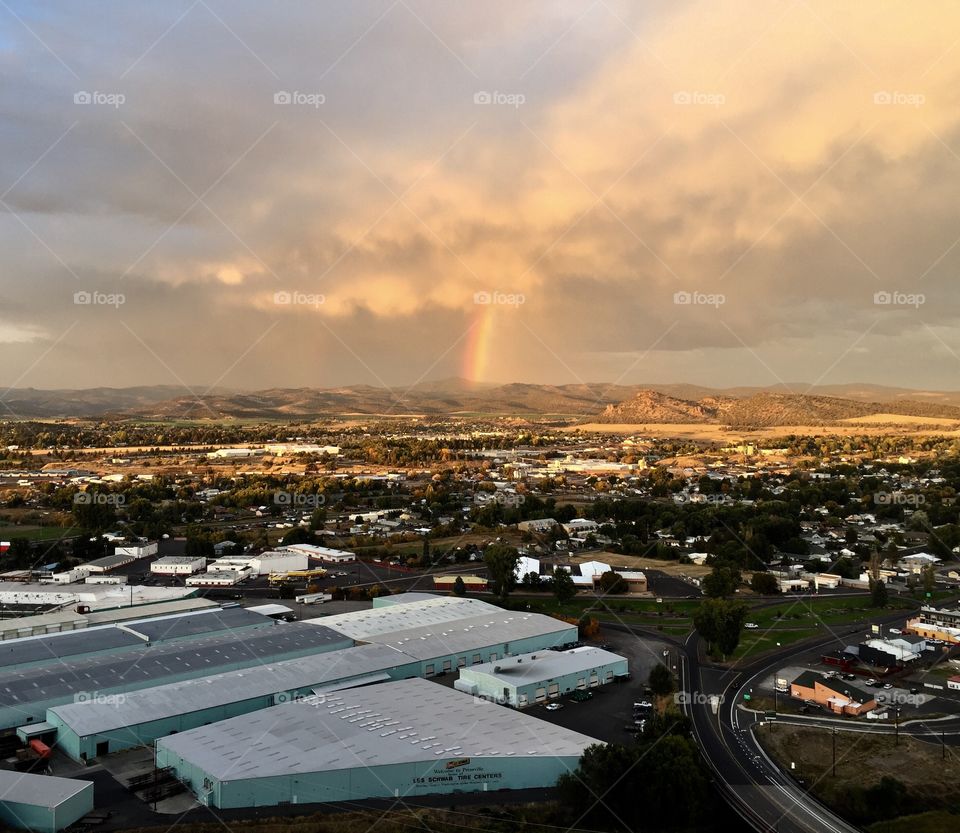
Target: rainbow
(476, 356)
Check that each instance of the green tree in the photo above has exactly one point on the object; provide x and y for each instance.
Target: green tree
(878, 594)
(765, 584)
(612, 582)
(720, 622)
(721, 582)
(562, 585)
(661, 680)
(501, 561)
(663, 790)
(459, 588)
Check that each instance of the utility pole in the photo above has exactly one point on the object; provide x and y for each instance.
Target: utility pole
(896, 725)
(834, 753)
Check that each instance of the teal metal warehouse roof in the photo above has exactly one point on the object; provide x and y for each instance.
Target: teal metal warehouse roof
(407, 721)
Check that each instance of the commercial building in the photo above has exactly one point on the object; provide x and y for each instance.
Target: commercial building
(42, 803)
(120, 558)
(837, 695)
(936, 623)
(446, 584)
(178, 565)
(636, 580)
(225, 578)
(321, 553)
(396, 740)
(526, 679)
(259, 565)
(883, 653)
(27, 692)
(102, 725)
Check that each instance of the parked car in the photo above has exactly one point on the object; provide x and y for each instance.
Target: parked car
(895, 630)
(552, 707)
(888, 686)
(751, 626)
(871, 682)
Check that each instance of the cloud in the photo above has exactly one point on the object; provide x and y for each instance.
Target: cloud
(795, 158)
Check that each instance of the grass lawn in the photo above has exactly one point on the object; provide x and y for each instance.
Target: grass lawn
(756, 642)
(37, 533)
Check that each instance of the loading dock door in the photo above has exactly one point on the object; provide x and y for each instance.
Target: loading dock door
(553, 690)
(541, 695)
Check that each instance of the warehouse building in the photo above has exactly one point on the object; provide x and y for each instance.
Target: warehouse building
(526, 679)
(445, 633)
(178, 565)
(27, 693)
(321, 553)
(103, 725)
(399, 739)
(111, 639)
(42, 803)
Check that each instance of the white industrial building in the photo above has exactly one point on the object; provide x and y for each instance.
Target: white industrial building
(320, 553)
(226, 578)
(262, 564)
(178, 565)
(138, 550)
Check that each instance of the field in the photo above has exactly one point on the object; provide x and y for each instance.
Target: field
(933, 781)
(37, 533)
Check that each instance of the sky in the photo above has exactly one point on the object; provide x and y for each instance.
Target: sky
(239, 195)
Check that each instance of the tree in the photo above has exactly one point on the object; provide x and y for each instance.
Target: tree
(721, 582)
(298, 535)
(720, 622)
(459, 588)
(318, 518)
(562, 585)
(501, 561)
(612, 582)
(765, 584)
(661, 680)
(662, 790)
(878, 594)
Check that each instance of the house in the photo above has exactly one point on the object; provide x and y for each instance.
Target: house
(837, 695)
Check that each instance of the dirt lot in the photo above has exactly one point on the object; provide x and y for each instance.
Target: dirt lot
(633, 562)
(862, 760)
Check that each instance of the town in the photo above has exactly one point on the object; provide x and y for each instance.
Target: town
(564, 589)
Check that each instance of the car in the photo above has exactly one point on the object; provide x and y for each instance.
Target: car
(751, 626)
(914, 690)
(887, 686)
(643, 704)
(895, 630)
(849, 676)
(871, 682)
(552, 707)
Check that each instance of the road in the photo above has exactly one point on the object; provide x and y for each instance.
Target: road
(755, 787)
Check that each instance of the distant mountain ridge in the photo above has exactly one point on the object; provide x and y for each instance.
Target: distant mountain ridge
(794, 404)
(763, 410)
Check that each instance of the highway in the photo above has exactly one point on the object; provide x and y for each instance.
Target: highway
(755, 787)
